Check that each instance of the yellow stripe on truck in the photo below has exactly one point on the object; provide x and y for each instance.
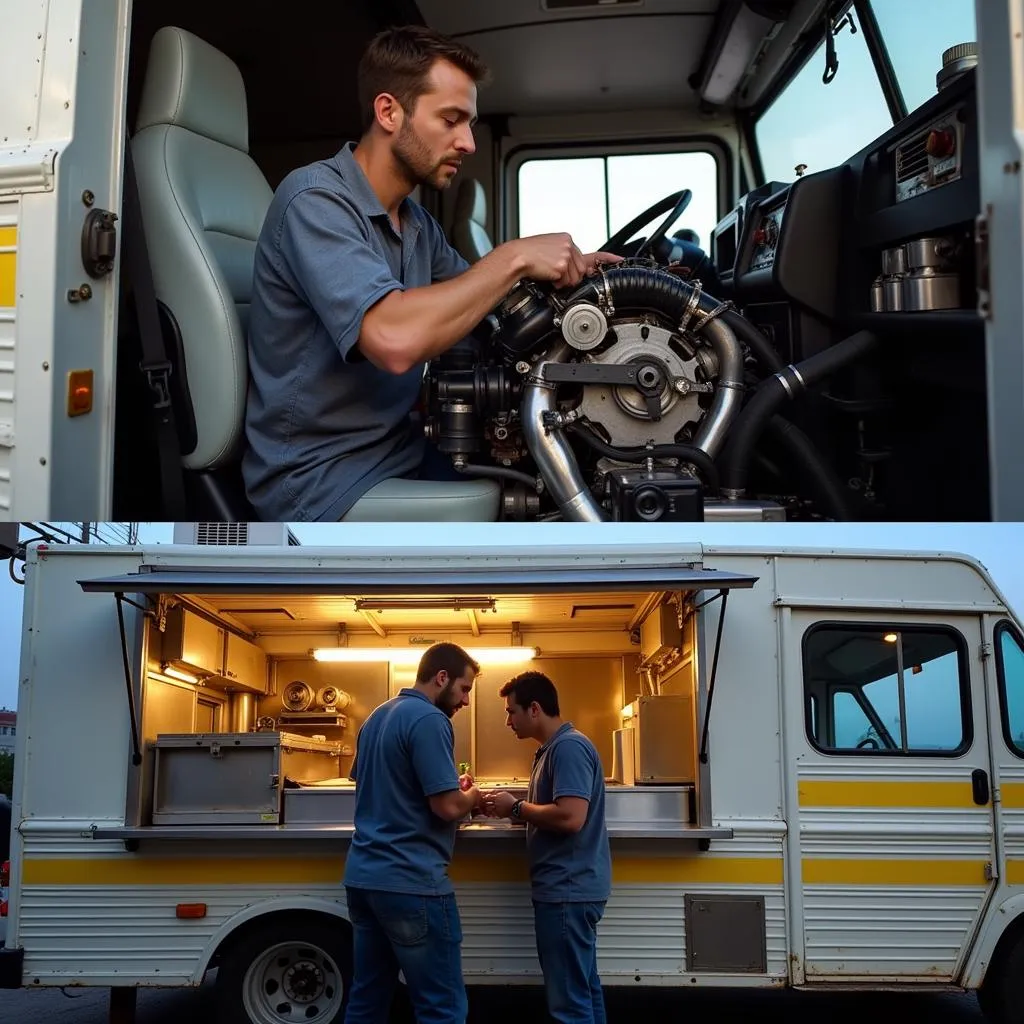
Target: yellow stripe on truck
(856, 793)
(840, 871)
(1012, 794)
(8, 266)
(135, 870)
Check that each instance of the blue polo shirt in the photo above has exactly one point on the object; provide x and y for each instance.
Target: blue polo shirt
(323, 425)
(405, 753)
(569, 868)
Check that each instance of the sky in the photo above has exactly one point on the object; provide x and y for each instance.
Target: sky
(999, 546)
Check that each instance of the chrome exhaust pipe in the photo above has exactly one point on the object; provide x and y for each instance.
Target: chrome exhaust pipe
(551, 451)
(728, 388)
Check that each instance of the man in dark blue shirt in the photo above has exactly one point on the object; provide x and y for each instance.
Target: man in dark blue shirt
(567, 846)
(355, 288)
(409, 800)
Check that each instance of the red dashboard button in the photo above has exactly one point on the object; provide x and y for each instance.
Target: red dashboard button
(940, 143)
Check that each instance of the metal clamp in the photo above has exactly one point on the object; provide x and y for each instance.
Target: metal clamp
(710, 315)
(691, 307)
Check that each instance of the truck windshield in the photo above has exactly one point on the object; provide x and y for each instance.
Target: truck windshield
(916, 33)
(817, 125)
(820, 125)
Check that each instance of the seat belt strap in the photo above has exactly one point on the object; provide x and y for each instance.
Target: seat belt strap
(156, 366)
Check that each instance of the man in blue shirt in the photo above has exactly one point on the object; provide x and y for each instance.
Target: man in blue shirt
(409, 800)
(355, 288)
(567, 846)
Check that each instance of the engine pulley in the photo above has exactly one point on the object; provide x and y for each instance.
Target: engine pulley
(584, 326)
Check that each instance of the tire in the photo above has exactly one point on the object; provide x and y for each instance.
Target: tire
(1001, 996)
(286, 970)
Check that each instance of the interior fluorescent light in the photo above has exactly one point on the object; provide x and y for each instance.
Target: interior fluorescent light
(372, 604)
(741, 43)
(176, 673)
(412, 655)
(891, 638)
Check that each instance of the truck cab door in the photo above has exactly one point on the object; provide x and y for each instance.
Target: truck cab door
(891, 855)
(63, 73)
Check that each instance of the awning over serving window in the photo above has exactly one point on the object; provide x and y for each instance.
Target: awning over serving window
(325, 581)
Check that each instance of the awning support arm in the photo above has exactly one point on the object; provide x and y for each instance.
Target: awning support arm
(724, 595)
(136, 754)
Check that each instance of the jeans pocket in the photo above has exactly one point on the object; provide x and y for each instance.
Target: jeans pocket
(403, 918)
(452, 920)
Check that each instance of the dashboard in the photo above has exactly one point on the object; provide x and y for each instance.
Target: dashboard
(887, 232)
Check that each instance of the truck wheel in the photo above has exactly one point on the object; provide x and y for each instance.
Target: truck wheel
(286, 971)
(1001, 995)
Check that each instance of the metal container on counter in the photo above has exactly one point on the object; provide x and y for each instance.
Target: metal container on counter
(217, 779)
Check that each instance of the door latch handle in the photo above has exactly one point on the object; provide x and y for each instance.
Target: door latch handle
(979, 787)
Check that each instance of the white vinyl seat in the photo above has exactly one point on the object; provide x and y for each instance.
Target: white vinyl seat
(469, 227)
(203, 204)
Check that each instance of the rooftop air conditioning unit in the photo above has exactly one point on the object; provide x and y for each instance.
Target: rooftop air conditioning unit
(235, 534)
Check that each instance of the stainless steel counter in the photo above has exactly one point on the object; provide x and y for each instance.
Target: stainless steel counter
(472, 831)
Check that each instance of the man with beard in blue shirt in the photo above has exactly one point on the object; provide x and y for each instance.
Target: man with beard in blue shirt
(567, 846)
(409, 800)
(355, 288)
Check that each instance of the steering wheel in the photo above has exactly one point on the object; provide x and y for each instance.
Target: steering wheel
(869, 743)
(676, 203)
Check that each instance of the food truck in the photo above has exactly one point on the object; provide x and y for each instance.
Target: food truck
(814, 761)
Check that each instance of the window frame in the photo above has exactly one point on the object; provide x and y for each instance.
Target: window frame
(527, 151)
(1002, 627)
(806, 51)
(964, 673)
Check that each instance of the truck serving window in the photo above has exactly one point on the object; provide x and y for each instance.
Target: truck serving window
(1010, 669)
(592, 197)
(886, 688)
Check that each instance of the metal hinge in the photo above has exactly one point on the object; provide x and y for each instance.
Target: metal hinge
(981, 263)
(984, 650)
(989, 873)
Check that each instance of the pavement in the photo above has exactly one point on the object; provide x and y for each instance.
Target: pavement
(487, 1005)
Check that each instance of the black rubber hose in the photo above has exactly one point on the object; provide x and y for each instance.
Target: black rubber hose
(684, 452)
(500, 473)
(773, 392)
(644, 286)
(770, 360)
(821, 479)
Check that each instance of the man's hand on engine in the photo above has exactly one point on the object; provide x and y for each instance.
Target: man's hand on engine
(553, 258)
(591, 260)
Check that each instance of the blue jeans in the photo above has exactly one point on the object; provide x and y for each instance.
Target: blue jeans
(420, 936)
(567, 948)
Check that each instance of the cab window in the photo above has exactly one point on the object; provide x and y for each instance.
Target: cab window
(814, 126)
(1010, 670)
(593, 197)
(886, 688)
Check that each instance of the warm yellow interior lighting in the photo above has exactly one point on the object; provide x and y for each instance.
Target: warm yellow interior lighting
(176, 673)
(412, 655)
(891, 638)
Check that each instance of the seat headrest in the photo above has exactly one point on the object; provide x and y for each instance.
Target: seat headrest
(471, 202)
(190, 84)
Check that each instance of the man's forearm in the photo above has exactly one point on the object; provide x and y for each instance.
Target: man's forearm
(412, 327)
(549, 817)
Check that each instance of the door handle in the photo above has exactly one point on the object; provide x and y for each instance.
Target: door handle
(979, 786)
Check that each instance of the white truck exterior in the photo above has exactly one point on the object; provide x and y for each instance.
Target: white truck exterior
(870, 867)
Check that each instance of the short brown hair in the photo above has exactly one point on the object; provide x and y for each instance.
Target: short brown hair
(450, 658)
(398, 61)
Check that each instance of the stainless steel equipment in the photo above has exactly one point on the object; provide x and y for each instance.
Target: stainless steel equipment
(664, 732)
(623, 770)
(233, 778)
(217, 778)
